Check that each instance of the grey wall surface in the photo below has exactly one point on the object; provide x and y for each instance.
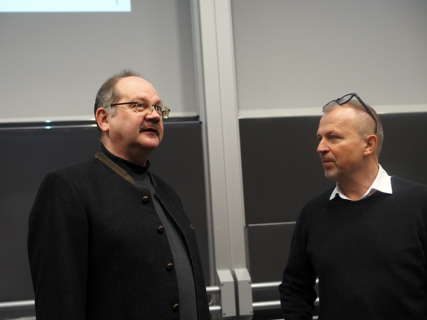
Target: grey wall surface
(53, 63)
(300, 54)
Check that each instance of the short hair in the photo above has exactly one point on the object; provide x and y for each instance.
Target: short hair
(366, 118)
(107, 94)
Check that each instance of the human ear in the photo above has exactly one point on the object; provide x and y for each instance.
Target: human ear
(102, 118)
(371, 144)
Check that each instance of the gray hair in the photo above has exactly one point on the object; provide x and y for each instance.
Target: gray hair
(363, 121)
(107, 93)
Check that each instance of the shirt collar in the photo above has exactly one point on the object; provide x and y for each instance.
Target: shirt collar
(381, 183)
(130, 167)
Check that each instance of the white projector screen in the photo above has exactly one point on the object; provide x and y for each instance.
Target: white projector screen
(64, 5)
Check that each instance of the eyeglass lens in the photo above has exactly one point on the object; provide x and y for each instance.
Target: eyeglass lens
(345, 99)
(165, 112)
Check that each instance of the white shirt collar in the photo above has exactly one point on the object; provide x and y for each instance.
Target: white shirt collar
(381, 183)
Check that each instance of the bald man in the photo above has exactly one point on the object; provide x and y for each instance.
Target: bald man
(366, 238)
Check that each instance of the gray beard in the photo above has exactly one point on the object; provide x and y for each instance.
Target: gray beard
(332, 174)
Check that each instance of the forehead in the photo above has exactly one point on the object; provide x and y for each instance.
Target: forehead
(136, 88)
(341, 119)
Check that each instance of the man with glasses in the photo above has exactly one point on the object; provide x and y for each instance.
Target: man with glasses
(365, 240)
(107, 238)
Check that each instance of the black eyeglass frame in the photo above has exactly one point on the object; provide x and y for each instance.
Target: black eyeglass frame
(165, 111)
(351, 95)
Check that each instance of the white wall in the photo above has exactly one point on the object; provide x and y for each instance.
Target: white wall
(52, 64)
(292, 57)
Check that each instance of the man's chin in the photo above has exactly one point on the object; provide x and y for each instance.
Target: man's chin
(150, 144)
(331, 175)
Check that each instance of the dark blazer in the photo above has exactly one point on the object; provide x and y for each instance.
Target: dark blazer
(97, 250)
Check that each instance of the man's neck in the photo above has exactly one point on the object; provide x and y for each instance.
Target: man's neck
(356, 186)
(134, 157)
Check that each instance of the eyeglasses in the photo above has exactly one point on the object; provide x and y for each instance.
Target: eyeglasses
(347, 98)
(141, 108)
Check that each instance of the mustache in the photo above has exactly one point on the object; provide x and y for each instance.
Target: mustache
(326, 159)
(150, 125)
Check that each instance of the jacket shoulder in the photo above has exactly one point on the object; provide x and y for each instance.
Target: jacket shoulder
(77, 169)
(80, 176)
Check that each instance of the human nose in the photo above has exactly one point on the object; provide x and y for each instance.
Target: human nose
(322, 147)
(153, 114)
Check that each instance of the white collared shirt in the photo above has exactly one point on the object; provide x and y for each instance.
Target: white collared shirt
(381, 183)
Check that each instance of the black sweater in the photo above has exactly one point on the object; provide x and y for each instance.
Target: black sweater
(370, 257)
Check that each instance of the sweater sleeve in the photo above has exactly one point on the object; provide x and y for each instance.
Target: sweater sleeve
(58, 250)
(297, 294)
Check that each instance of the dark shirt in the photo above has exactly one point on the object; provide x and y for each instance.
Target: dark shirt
(182, 260)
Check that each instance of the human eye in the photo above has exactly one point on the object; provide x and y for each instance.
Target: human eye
(157, 107)
(139, 107)
(334, 138)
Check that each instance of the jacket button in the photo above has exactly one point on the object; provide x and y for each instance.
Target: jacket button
(191, 226)
(169, 266)
(160, 229)
(145, 199)
(175, 307)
